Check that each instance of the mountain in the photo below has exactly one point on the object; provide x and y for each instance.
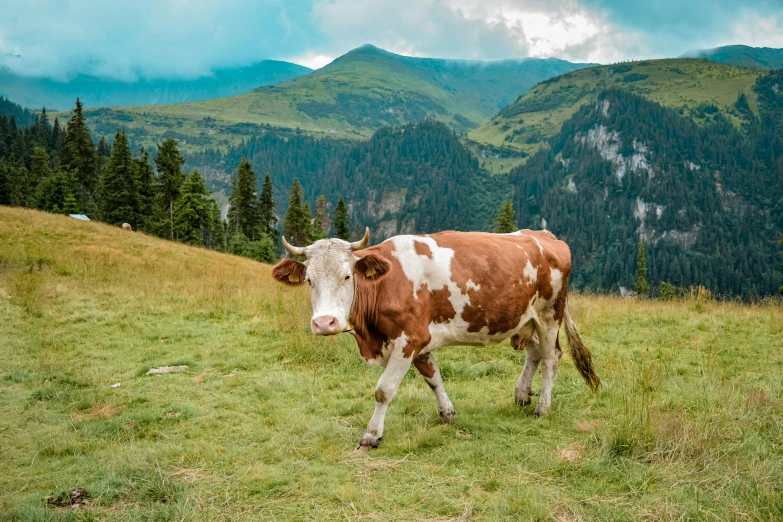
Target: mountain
(102, 92)
(703, 196)
(742, 56)
(693, 87)
(353, 96)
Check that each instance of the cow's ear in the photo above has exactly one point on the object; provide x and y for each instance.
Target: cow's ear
(290, 272)
(372, 267)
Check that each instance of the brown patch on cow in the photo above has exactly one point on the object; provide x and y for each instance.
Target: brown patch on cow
(423, 363)
(372, 266)
(441, 309)
(560, 303)
(289, 272)
(422, 249)
(380, 396)
(586, 426)
(571, 454)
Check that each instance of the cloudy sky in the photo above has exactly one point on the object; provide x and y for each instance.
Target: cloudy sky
(189, 38)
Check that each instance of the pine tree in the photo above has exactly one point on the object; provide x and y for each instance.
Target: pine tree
(321, 214)
(169, 162)
(243, 215)
(145, 179)
(506, 220)
(39, 171)
(266, 209)
(216, 233)
(119, 200)
(297, 224)
(78, 155)
(103, 152)
(320, 221)
(642, 286)
(342, 228)
(56, 194)
(192, 210)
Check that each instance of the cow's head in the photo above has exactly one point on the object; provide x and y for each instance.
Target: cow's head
(331, 272)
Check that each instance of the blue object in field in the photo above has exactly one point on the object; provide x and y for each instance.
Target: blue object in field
(80, 217)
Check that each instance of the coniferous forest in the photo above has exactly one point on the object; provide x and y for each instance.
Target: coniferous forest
(702, 197)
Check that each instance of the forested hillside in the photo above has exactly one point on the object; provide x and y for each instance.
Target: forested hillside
(704, 199)
(694, 87)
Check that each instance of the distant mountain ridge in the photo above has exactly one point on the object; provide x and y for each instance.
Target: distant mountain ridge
(742, 56)
(100, 92)
(353, 96)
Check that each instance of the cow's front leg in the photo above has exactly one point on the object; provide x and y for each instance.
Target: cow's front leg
(396, 368)
(428, 369)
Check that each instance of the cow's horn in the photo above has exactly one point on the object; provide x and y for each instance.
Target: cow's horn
(358, 245)
(293, 250)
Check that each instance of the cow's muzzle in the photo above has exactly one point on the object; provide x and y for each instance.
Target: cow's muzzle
(325, 325)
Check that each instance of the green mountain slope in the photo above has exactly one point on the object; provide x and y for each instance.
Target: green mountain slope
(351, 97)
(101, 92)
(742, 56)
(692, 86)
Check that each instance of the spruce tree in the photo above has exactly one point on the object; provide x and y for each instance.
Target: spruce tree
(192, 210)
(642, 286)
(321, 215)
(266, 209)
(318, 223)
(79, 156)
(215, 234)
(505, 221)
(39, 171)
(243, 215)
(145, 189)
(297, 224)
(119, 200)
(169, 162)
(56, 194)
(342, 228)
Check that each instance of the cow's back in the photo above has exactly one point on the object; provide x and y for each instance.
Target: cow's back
(472, 286)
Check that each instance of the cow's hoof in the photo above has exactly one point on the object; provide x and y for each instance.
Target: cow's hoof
(367, 442)
(523, 399)
(447, 417)
(540, 410)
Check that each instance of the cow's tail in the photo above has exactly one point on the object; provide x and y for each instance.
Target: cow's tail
(579, 352)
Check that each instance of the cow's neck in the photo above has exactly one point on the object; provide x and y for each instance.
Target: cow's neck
(363, 318)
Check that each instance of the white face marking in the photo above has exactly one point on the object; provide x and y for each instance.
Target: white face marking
(531, 273)
(330, 279)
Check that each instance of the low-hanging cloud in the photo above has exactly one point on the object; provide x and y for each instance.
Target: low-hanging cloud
(190, 38)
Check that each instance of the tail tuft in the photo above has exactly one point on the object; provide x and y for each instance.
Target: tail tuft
(579, 352)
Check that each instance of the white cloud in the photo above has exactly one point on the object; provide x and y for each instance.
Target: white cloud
(312, 60)
(757, 31)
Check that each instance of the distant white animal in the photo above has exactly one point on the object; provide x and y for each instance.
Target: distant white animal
(126, 226)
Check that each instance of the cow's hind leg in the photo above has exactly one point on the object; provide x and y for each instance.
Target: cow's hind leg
(525, 382)
(550, 355)
(428, 369)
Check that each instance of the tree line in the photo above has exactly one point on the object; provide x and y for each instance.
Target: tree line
(60, 169)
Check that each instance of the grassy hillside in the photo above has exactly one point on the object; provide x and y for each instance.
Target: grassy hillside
(102, 92)
(743, 56)
(683, 84)
(351, 97)
(262, 425)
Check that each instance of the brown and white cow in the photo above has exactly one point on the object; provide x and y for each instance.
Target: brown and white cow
(410, 295)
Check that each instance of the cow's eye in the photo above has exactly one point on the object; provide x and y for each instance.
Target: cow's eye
(347, 277)
(309, 282)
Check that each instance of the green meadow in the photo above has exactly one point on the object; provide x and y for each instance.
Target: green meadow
(687, 426)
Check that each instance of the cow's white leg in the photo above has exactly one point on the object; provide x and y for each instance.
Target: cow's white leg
(547, 335)
(396, 368)
(428, 369)
(525, 382)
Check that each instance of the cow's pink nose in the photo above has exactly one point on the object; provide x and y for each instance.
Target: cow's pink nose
(325, 324)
